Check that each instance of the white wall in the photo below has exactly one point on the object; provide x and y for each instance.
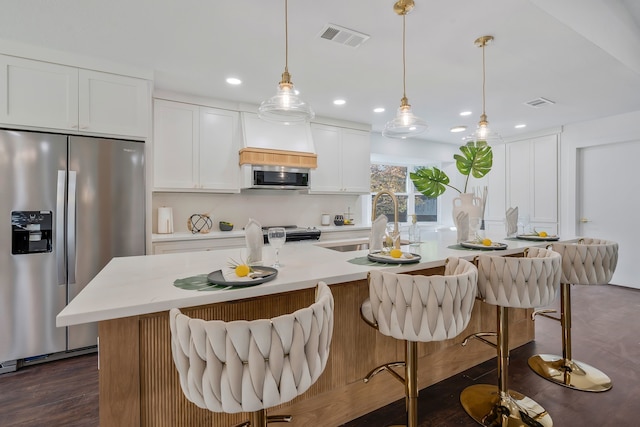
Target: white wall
(609, 130)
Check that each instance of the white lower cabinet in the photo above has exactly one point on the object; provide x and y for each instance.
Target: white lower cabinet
(343, 160)
(532, 181)
(195, 148)
(53, 96)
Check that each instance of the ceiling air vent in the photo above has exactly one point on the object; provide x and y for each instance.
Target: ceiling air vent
(344, 36)
(539, 102)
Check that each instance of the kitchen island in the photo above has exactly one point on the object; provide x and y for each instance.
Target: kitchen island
(139, 385)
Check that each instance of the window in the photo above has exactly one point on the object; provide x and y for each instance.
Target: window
(395, 178)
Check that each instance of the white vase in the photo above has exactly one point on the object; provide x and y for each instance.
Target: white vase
(471, 204)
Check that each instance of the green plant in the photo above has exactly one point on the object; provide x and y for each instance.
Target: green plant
(476, 159)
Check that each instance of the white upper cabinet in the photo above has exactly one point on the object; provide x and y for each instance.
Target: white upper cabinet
(343, 160)
(52, 96)
(195, 148)
(532, 179)
(175, 145)
(113, 104)
(37, 93)
(219, 147)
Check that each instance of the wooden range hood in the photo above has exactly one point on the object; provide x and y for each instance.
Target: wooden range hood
(269, 144)
(271, 157)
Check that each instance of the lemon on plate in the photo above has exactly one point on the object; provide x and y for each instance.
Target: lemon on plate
(242, 270)
(543, 234)
(395, 253)
(486, 242)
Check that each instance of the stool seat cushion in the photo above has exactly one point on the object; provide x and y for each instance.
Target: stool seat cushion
(423, 308)
(588, 262)
(247, 366)
(519, 282)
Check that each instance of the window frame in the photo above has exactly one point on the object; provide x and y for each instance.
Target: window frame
(410, 191)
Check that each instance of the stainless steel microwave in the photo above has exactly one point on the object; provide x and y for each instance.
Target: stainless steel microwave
(279, 177)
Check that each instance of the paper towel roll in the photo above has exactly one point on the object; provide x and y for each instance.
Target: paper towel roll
(165, 220)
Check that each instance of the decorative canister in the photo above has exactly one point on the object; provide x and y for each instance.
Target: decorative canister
(199, 223)
(165, 220)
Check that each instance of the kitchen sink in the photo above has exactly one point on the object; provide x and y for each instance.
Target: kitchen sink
(348, 247)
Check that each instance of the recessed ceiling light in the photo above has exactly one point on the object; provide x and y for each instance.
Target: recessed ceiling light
(520, 126)
(339, 102)
(378, 110)
(457, 129)
(234, 81)
(465, 113)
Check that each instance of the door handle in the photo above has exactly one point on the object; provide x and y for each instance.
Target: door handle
(583, 220)
(60, 232)
(71, 228)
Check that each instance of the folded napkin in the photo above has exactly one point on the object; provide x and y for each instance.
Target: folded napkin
(462, 225)
(512, 221)
(378, 229)
(255, 241)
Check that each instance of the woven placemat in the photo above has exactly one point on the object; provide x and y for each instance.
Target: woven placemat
(198, 283)
(459, 247)
(363, 260)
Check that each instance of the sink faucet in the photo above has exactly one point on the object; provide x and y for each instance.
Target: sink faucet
(394, 199)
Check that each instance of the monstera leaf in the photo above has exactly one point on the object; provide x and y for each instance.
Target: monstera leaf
(431, 182)
(476, 159)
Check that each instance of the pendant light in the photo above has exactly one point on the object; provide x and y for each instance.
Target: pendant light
(405, 124)
(482, 132)
(285, 107)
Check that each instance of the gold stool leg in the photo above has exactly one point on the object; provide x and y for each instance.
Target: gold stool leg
(411, 383)
(564, 370)
(498, 406)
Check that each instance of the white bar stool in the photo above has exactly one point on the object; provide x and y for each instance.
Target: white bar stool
(249, 366)
(417, 308)
(588, 262)
(519, 282)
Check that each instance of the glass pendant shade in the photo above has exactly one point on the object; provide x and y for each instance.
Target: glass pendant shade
(285, 107)
(484, 133)
(404, 125)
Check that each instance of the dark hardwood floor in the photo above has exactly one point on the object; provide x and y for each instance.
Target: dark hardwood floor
(606, 334)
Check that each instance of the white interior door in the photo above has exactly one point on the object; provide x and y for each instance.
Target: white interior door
(608, 203)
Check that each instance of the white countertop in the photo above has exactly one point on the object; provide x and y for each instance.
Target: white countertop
(130, 286)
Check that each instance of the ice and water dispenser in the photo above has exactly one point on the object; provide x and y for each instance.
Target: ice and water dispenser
(31, 232)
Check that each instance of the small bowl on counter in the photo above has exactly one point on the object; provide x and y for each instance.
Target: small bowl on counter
(225, 226)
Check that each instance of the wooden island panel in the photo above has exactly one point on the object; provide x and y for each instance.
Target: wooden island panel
(139, 384)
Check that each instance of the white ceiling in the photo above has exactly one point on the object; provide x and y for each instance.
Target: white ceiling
(582, 54)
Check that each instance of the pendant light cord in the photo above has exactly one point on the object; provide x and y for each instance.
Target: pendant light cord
(404, 55)
(286, 36)
(483, 79)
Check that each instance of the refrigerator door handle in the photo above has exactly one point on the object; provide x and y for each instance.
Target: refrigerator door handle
(59, 248)
(71, 228)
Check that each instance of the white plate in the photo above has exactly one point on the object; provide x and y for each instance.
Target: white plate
(388, 259)
(494, 246)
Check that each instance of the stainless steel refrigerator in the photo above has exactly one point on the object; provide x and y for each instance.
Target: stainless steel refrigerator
(68, 205)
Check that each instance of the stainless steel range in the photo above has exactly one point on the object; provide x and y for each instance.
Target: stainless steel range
(295, 233)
